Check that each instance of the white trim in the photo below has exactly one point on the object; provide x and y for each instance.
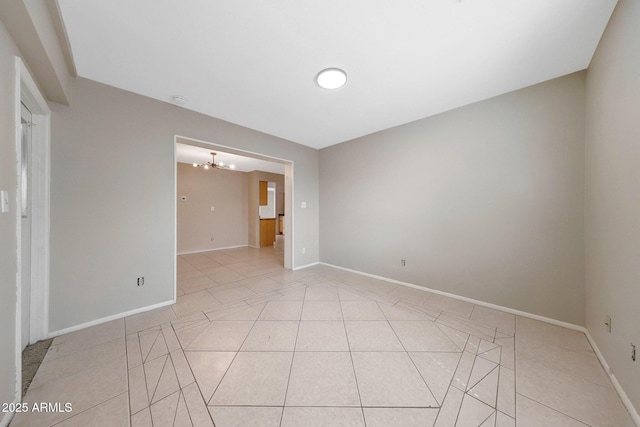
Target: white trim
(311, 265)
(469, 300)
(6, 419)
(109, 318)
(623, 396)
(18, 219)
(40, 202)
(40, 227)
(216, 249)
(289, 217)
(26, 91)
(30, 94)
(288, 201)
(228, 147)
(175, 222)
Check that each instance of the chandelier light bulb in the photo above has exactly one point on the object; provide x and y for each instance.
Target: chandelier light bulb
(212, 164)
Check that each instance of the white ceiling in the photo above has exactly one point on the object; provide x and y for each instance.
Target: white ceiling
(254, 62)
(191, 154)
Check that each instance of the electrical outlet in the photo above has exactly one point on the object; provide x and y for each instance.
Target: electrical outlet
(304, 251)
(607, 323)
(403, 262)
(4, 201)
(141, 281)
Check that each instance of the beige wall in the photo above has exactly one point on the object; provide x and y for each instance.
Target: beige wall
(113, 198)
(199, 228)
(485, 201)
(32, 24)
(613, 195)
(8, 221)
(254, 193)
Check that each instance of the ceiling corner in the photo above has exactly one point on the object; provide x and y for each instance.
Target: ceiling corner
(32, 25)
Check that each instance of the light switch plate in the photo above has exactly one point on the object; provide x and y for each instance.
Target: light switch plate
(4, 201)
(303, 205)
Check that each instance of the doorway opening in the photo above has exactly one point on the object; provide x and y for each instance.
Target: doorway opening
(32, 119)
(25, 223)
(258, 167)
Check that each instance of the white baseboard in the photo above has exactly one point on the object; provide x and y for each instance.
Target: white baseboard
(212, 250)
(469, 300)
(306, 266)
(108, 319)
(6, 419)
(623, 396)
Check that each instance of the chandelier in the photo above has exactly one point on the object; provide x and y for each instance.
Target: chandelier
(212, 164)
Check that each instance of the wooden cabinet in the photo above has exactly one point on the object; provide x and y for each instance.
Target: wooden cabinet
(264, 193)
(267, 232)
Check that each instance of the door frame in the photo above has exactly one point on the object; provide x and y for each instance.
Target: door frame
(288, 189)
(25, 185)
(27, 93)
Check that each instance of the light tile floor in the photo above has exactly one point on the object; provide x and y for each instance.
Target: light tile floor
(251, 344)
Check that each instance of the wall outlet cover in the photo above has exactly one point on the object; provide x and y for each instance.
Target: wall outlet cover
(4, 201)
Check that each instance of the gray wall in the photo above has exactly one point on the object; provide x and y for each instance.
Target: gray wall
(8, 221)
(199, 228)
(113, 198)
(485, 201)
(613, 194)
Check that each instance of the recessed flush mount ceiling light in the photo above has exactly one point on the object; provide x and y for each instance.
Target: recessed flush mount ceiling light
(331, 78)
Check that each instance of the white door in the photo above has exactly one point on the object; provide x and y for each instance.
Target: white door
(25, 193)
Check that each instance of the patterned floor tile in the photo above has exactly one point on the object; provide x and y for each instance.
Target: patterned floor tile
(320, 346)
